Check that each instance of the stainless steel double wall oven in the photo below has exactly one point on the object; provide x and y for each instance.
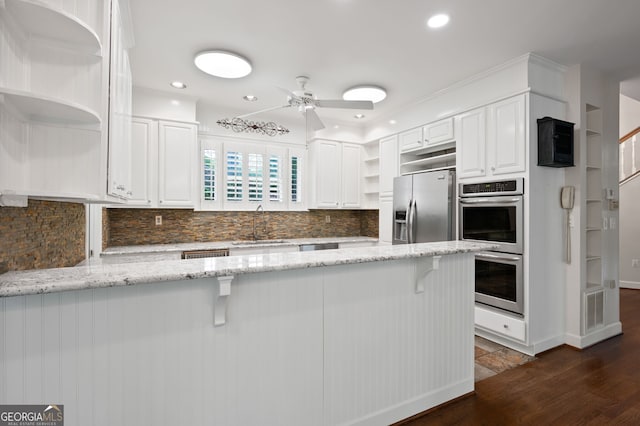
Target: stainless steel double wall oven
(493, 212)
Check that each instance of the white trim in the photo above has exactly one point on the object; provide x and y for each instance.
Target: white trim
(417, 405)
(630, 284)
(597, 336)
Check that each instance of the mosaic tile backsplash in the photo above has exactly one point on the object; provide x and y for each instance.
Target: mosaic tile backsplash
(45, 234)
(137, 226)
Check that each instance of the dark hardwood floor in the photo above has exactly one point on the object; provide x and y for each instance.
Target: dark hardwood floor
(599, 385)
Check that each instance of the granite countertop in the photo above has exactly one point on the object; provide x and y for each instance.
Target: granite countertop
(168, 248)
(100, 276)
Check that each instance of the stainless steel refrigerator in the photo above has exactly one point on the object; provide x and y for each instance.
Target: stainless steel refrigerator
(424, 207)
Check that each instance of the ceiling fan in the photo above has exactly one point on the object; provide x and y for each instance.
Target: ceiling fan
(306, 103)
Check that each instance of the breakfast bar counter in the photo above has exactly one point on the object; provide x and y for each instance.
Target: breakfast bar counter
(368, 335)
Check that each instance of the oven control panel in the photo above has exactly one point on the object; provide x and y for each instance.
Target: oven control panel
(503, 187)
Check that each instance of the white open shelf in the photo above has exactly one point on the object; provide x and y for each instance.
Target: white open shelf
(46, 108)
(40, 19)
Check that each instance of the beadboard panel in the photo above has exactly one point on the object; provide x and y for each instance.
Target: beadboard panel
(14, 65)
(149, 355)
(63, 159)
(391, 351)
(13, 150)
(321, 346)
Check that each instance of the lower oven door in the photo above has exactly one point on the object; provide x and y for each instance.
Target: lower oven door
(499, 281)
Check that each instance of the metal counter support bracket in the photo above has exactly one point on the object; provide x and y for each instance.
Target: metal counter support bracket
(220, 308)
(423, 267)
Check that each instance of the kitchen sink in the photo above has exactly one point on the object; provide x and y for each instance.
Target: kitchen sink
(252, 242)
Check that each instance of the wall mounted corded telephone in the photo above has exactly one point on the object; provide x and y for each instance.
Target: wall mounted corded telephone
(567, 195)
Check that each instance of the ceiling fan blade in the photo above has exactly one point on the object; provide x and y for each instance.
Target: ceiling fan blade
(313, 120)
(339, 103)
(262, 110)
(288, 92)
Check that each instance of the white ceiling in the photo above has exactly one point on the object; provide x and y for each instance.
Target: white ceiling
(341, 43)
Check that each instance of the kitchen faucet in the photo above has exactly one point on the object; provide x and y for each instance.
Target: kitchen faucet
(264, 222)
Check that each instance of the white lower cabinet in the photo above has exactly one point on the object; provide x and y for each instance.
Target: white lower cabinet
(500, 323)
(164, 164)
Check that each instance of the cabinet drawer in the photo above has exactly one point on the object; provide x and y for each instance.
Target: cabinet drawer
(499, 323)
(438, 132)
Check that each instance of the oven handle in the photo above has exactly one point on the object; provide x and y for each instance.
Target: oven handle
(500, 200)
(489, 256)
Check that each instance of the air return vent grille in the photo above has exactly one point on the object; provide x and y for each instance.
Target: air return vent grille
(200, 254)
(593, 310)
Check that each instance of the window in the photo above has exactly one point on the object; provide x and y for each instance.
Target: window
(294, 179)
(239, 175)
(254, 177)
(209, 171)
(234, 176)
(275, 178)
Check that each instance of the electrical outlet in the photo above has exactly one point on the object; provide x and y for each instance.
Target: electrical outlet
(635, 263)
(158, 220)
(327, 219)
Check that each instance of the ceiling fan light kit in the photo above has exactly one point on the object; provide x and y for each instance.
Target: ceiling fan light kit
(239, 125)
(371, 93)
(221, 63)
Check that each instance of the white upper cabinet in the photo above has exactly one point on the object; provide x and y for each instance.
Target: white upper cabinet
(144, 171)
(410, 140)
(439, 132)
(506, 133)
(335, 176)
(326, 160)
(388, 164)
(120, 101)
(492, 139)
(471, 131)
(351, 188)
(177, 156)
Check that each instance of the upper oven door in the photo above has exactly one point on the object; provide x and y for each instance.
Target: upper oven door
(497, 220)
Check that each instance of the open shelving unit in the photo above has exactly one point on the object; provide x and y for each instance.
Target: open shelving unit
(593, 198)
(433, 158)
(371, 175)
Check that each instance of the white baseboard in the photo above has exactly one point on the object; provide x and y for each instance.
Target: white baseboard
(417, 405)
(597, 336)
(630, 284)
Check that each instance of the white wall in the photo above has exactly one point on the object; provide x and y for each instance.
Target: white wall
(629, 202)
(163, 105)
(630, 226)
(629, 114)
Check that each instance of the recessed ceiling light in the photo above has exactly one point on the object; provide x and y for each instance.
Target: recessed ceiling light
(438, 21)
(365, 93)
(178, 85)
(250, 98)
(392, 122)
(223, 64)
(358, 116)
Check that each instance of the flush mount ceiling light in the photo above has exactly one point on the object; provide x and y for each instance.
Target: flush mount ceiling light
(223, 64)
(178, 85)
(250, 98)
(438, 21)
(365, 93)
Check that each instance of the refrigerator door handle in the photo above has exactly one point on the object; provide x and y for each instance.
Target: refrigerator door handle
(410, 221)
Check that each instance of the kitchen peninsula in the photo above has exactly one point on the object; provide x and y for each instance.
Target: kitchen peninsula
(368, 335)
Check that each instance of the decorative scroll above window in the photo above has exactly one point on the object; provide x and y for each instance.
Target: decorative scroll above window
(239, 125)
